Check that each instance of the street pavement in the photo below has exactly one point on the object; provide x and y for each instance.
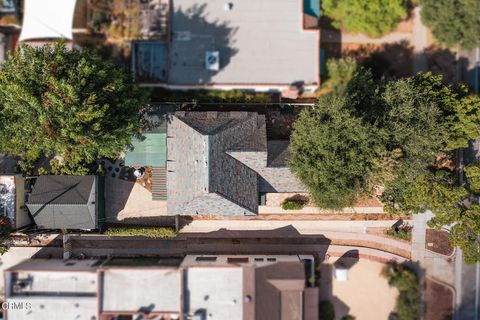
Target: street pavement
(467, 289)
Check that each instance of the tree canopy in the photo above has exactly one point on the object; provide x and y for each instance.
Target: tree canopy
(372, 17)
(331, 152)
(66, 106)
(453, 23)
(396, 138)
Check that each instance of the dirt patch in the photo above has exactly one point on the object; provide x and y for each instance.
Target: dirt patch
(438, 301)
(437, 241)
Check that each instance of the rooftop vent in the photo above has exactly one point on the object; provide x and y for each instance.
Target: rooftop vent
(228, 6)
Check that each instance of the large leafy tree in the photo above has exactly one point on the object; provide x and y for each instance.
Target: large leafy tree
(65, 105)
(332, 152)
(453, 207)
(454, 23)
(425, 120)
(372, 17)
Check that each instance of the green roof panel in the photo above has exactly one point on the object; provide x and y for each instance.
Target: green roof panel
(148, 151)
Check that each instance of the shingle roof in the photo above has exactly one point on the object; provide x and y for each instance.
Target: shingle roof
(64, 202)
(202, 178)
(61, 190)
(278, 153)
(215, 161)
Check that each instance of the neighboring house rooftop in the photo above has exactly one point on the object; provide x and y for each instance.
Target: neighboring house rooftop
(47, 19)
(232, 287)
(155, 290)
(253, 43)
(64, 202)
(218, 164)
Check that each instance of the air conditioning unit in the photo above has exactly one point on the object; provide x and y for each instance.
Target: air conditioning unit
(212, 60)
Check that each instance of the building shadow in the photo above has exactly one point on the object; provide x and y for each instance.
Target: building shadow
(193, 36)
(283, 240)
(326, 290)
(347, 260)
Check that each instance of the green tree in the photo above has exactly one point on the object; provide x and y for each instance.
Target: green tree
(465, 233)
(453, 23)
(438, 193)
(332, 152)
(65, 105)
(372, 17)
(425, 119)
(472, 173)
(405, 280)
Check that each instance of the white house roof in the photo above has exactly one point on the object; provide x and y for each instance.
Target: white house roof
(46, 19)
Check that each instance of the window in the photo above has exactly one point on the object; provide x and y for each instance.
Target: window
(258, 259)
(237, 260)
(272, 259)
(212, 259)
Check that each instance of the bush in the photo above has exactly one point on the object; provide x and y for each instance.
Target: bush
(197, 96)
(404, 232)
(326, 311)
(339, 73)
(292, 204)
(372, 17)
(405, 280)
(5, 229)
(348, 317)
(149, 232)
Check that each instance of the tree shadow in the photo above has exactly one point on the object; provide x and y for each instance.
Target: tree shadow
(193, 35)
(442, 61)
(390, 60)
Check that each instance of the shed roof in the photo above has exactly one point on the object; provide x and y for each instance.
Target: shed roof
(64, 202)
(47, 19)
(62, 190)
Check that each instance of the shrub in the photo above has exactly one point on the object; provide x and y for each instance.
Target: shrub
(405, 280)
(292, 204)
(339, 73)
(348, 317)
(372, 17)
(149, 232)
(326, 311)
(404, 232)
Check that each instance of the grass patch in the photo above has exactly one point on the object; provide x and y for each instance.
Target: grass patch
(149, 232)
(403, 233)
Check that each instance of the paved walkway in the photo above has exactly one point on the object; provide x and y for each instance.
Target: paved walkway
(301, 226)
(335, 37)
(419, 41)
(435, 265)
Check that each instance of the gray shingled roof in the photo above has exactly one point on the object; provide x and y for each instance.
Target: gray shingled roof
(215, 161)
(64, 202)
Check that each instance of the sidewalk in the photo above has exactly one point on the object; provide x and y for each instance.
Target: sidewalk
(419, 41)
(435, 265)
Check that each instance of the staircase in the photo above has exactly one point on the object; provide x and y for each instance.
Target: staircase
(159, 183)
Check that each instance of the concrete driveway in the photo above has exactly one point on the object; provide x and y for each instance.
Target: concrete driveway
(127, 199)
